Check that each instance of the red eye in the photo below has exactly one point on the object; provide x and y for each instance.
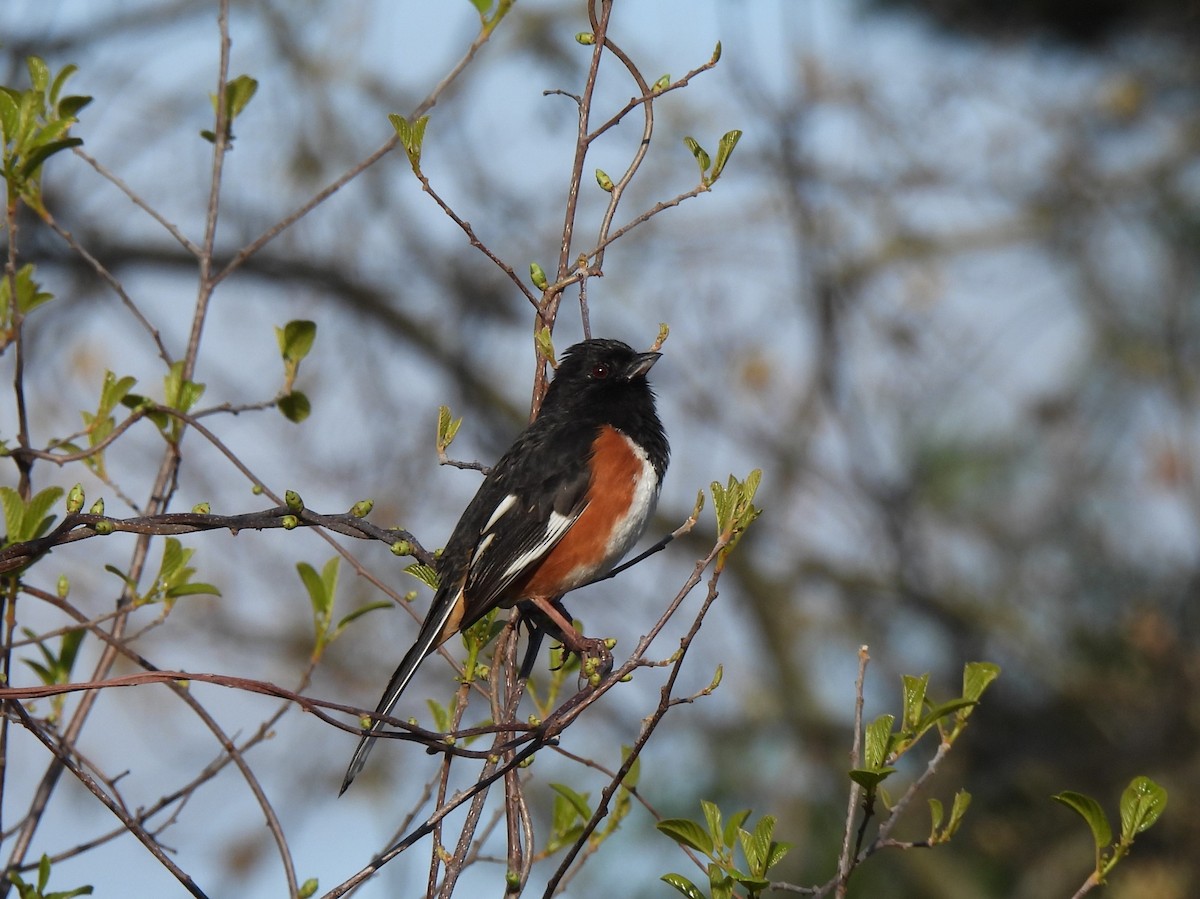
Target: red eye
(599, 372)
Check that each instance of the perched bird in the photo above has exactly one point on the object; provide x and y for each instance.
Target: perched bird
(570, 497)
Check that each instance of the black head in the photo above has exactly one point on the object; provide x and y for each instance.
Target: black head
(595, 369)
(602, 382)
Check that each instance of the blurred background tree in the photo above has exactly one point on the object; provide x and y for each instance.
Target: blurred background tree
(948, 301)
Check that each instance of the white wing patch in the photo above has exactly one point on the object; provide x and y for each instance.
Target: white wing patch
(556, 526)
(483, 544)
(505, 504)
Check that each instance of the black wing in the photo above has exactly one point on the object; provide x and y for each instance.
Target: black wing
(531, 498)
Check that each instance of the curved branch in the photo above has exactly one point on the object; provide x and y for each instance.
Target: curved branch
(82, 526)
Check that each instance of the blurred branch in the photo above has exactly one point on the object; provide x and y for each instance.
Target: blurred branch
(82, 526)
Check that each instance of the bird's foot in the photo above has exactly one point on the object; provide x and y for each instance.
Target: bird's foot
(595, 656)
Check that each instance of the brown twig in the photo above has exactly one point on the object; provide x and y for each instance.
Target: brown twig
(345, 178)
(83, 526)
(846, 860)
(108, 278)
(560, 875)
(131, 825)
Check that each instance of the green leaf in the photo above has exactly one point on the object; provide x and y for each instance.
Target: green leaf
(28, 521)
(701, 156)
(545, 345)
(962, 800)
(360, 611)
(977, 676)
(447, 428)
(60, 81)
(238, 93)
(308, 888)
(732, 828)
(315, 587)
(724, 150)
(778, 851)
(1141, 804)
(172, 558)
(29, 293)
(712, 817)
(564, 816)
(944, 710)
(113, 391)
(936, 816)
(442, 715)
(295, 406)
(1091, 812)
(687, 833)
(426, 574)
(44, 151)
(754, 884)
(756, 846)
(683, 885)
(191, 589)
(9, 113)
(296, 339)
(720, 884)
(871, 778)
(734, 509)
(125, 578)
(69, 648)
(178, 392)
(412, 137)
(39, 73)
(70, 107)
(483, 7)
(37, 519)
(913, 691)
(577, 801)
(14, 511)
(876, 740)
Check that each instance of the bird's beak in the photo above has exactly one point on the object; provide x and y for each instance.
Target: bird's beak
(641, 364)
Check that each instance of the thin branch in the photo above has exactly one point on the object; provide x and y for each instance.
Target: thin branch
(847, 859)
(474, 240)
(646, 216)
(82, 526)
(137, 200)
(111, 280)
(532, 740)
(599, 30)
(131, 824)
(655, 718)
(212, 214)
(639, 155)
(338, 183)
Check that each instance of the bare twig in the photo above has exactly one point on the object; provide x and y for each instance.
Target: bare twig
(341, 181)
(137, 200)
(131, 824)
(847, 859)
(475, 242)
(220, 144)
(82, 526)
(110, 279)
(601, 810)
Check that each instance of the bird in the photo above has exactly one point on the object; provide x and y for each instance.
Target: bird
(561, 507)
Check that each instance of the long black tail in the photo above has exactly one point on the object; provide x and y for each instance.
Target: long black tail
(428, 640)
